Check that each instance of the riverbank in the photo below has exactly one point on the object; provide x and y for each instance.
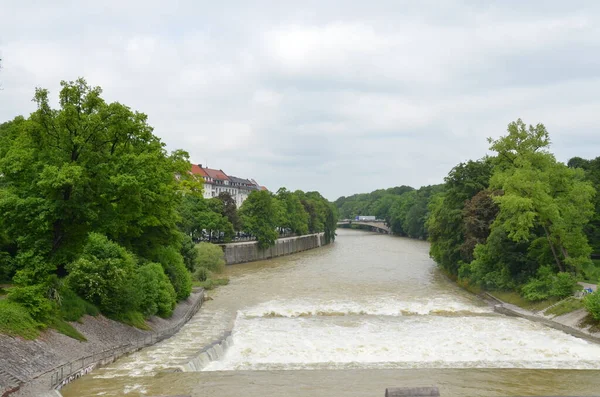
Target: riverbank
(34, 367)
(572, 323)
(245, 252)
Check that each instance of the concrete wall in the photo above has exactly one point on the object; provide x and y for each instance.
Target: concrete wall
(249, 251)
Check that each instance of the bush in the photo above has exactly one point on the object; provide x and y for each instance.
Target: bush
(201, 274)
(592, 304)
(211, 256)
(536, 290)
(15, 320)
(73, 307)
(157, 295)
(172, 263)
(547, 285)
(563, 285)
(189, 253)
(104, 275)
(33, 299)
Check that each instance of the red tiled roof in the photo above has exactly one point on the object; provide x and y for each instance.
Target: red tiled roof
(263, 188)
(216, 174)
(197, 170)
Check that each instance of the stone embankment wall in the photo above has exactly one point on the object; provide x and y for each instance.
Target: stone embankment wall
(249, 251)
(32, 368)
(568, 323)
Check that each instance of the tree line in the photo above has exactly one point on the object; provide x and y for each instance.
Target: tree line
(517, 220)
(98, 216)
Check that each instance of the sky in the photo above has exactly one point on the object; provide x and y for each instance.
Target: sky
(341, 97)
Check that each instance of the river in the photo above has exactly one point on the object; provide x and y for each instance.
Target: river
(370, 311)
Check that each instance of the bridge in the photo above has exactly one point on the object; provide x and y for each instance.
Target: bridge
(377, 226)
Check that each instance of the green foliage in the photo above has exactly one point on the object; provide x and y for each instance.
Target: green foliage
(72, 307)
(210, 257)
(515, 298)
(540, 192)
(592, 304)
(15, 320)
(229, 209)
(212, 283)
(445, 224)
(189, 252)
(201, 274)
(591, 169)
(157, 295)
(34, 299)
(172, 263)
(65, 328)
(547, 284)
(293, 215)
(258, 218)
(204, 219)
(133, 318)
(102, 275)
(568, 306)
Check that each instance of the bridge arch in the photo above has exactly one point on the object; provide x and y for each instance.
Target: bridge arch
(378, 226)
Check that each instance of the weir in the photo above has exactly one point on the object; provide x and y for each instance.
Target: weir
(369, 312)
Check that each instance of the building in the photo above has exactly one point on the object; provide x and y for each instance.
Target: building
(217, 181)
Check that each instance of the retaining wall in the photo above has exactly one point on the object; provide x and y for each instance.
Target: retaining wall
(54, 360)
(249, 251)
(511, 310)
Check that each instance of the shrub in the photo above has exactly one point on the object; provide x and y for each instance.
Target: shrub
(201, 274)
(33, 299)
(536, 289)
(592, 304)
(73, 307)
(211, 256)
(172, 263)
(15, 320)
(547, 285)
(103, 275)
(563, 285)
(157, 295)
(189, 253)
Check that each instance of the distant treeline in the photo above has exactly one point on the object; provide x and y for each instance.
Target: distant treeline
(96, 216)
(518, 220)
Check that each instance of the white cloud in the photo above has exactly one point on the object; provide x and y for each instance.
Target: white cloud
(340, 97)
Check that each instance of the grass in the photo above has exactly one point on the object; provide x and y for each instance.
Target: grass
(591, 322)
(211, 283)
(135, 319)
(565, 307)
(15, 320)
(65, 328)
(73, 308)
(515, 299)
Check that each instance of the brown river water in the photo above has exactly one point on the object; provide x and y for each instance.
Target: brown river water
(370, 311)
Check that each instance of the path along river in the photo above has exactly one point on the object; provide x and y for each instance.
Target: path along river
(368, 312)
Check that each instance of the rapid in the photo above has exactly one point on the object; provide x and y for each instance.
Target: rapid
(368, 312)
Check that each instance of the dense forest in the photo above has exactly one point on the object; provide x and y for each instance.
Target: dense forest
(97, 217)
(517, 220)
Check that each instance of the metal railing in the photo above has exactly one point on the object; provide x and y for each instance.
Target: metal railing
(74, 369)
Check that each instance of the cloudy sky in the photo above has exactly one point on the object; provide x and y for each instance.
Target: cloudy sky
(336, 96)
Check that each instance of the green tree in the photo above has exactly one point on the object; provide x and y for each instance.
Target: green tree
(445, 221)
(258, 218)
(294, 215)
(88, 166)
(539, 192)
(230, 209)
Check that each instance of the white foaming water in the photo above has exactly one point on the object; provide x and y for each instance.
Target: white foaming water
(336, 335)
(378, 306)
